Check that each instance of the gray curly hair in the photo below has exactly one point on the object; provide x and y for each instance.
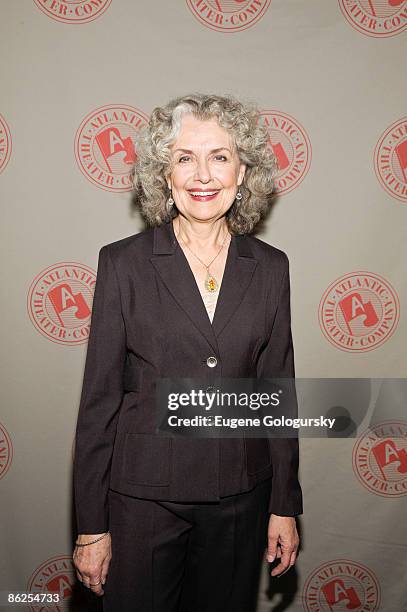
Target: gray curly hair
(154, 159)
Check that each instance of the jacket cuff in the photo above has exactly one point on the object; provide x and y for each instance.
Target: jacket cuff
(286, 495)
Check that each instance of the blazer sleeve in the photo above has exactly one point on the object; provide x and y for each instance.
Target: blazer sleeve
(277, 361)
(101, 396)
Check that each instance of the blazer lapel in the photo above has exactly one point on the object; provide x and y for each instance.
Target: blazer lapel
(239, 269)
(170, 262)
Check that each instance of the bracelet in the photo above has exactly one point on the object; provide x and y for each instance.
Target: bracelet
(93, 541)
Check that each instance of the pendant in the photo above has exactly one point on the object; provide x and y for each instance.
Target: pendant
(211, 284)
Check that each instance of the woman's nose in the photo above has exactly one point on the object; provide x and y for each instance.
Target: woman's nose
(202, 172)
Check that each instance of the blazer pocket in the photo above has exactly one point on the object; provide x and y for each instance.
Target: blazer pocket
(258, 456)
(147, 459)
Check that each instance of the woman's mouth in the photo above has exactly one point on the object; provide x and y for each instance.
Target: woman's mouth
(203, 196)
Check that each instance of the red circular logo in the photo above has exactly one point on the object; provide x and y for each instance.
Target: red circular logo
(5, 143)
(341, 584)
(6, 451)
(379, 18)
(60, 302)
(228, 15)
(359, 311)
(390, 159)
(291, 146)
(55, 576)
(104, 146)
(379, 459)
(73, 11)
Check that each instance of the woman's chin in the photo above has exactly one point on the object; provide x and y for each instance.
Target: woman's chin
(205, 212)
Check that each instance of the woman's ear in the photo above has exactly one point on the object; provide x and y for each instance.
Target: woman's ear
(242, 171)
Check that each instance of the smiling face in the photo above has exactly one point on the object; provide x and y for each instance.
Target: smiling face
(206, 170)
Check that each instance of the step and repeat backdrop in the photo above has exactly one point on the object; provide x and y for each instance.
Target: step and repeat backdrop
(78, 79)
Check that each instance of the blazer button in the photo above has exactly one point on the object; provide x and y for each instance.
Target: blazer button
(211, 362)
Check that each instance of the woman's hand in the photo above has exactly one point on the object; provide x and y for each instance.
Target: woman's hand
(92, 562)
(283, 542)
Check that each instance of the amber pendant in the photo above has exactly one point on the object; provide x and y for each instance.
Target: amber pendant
(211, 284)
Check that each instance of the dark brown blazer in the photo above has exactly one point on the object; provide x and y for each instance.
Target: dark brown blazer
(149, 321)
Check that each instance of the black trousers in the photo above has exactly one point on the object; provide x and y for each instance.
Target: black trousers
(182, 557)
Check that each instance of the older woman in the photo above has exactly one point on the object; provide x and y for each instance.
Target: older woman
(181, 524)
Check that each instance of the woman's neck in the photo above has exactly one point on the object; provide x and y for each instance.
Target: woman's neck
(200, 234)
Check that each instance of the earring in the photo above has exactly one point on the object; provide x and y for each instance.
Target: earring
(169, 204)
(239, 195)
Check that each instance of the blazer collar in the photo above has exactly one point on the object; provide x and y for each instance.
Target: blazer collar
(170, 262)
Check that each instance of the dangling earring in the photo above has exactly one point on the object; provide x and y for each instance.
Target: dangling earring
(169, 204)
(239, 195)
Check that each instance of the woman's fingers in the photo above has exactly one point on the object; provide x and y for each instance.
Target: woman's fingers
(293, 557)
(284, 564)
(283, 542)
(96, 586)
(93, 582)
(92, 566)
(79, 576)
(105, 568)
(272, 549)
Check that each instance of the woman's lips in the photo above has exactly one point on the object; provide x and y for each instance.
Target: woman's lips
(204, 196)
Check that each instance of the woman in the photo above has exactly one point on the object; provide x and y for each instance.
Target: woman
(179, 524)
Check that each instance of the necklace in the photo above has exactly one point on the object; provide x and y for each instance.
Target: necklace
(211, 284)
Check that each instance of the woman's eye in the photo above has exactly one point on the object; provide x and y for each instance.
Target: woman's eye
(186, 158)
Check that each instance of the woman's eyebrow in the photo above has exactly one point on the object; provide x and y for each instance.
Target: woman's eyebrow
(212, 151)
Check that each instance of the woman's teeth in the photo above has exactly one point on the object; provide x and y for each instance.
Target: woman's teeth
(202, 193)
